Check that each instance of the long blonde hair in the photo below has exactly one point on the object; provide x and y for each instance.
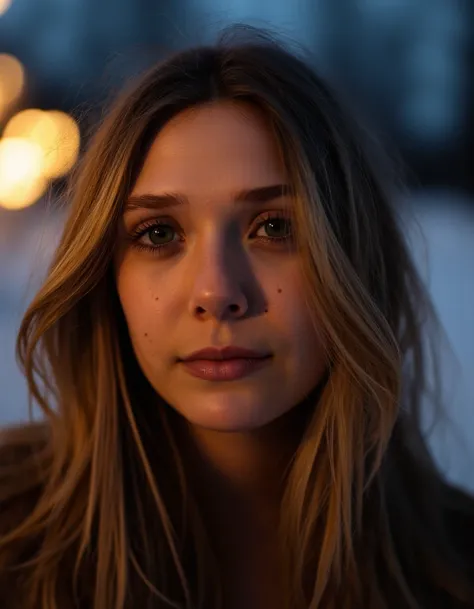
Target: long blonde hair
(110, 521)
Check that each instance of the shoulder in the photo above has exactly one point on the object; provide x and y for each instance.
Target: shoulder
(455, 572)
(23, 457)
(459, 522)
(19, 442)
(22, 452)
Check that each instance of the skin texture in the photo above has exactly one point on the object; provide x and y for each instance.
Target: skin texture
(221, 282)
(224, 281)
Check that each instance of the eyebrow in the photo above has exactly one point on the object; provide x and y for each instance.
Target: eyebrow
(262, 194)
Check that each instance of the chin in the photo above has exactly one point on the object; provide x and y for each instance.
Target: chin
(228, 413)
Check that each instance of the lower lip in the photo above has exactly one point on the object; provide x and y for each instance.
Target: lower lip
(224, 370)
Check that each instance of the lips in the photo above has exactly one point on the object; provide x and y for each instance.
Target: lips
(226, 353)
(225, 364)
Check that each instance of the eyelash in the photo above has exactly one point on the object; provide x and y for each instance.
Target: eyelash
(159, 249)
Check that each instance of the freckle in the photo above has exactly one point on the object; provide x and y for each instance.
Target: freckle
(157, 298)
(146, 333)
(279, 290)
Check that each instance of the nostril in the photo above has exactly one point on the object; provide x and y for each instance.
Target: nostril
(219, 309)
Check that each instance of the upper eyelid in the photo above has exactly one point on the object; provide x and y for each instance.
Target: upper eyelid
(143, 225)
(139, 232)
(263, 215)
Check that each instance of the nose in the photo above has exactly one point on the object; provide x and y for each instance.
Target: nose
(218, 290)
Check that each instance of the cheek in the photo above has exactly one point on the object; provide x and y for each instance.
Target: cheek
(305, 338)
(288, 302)
(141, 305)
(300, 327)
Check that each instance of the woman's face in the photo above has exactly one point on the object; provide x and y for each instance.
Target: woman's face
(206, 259)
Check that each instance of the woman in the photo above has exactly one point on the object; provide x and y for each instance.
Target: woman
(228, 352)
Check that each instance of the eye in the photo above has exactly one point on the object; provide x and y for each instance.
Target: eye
(275, 226)
(155, 236)
(160, 234)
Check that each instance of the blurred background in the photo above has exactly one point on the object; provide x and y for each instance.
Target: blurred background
(406, 64)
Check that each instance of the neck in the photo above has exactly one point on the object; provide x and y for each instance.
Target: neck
(239, 476)
(238, 479)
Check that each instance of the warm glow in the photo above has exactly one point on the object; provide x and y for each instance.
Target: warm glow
(21, 173)
(26, 123)
(12, 79)
(33, 125)
(56, 133)
(4, 6)
(62, 153)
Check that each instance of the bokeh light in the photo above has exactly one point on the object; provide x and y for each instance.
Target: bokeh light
(62, 154)
(25, 123)
(22, 181)
(4, 6)
(56, 133)
(12, 79)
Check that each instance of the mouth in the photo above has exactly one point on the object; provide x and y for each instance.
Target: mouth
(228, 369)
(225, 353)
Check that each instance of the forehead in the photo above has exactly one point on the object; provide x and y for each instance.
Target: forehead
(212, 148)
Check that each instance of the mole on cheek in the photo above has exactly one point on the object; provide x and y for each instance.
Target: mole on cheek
(279, 290)
(157, 298)
(146, 334)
